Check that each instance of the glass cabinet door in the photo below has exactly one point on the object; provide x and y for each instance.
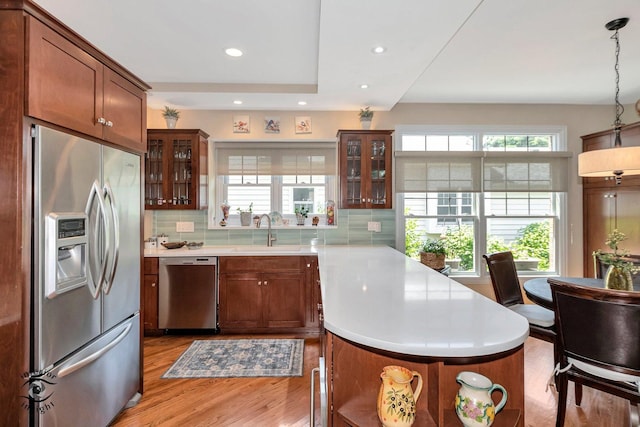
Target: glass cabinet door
(378, 172)
(154, 194)
(365, 169)
(181, 172)
(354, 187)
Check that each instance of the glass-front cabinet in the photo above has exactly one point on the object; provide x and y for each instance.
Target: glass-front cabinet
(176, 169)
(365, 169)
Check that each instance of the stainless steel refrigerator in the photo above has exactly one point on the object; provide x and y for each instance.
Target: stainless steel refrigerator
(85, 332)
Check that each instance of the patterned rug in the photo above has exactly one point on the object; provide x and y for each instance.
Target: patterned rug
(240, 358)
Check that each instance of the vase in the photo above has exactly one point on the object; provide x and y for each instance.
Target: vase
(396, 400)
(300, 219)
(618, 279)
(245, 219)
(474, 405)
(171, 122)
(365, 124)
(225, 210)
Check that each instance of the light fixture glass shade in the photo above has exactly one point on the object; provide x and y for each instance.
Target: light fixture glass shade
(609, 162)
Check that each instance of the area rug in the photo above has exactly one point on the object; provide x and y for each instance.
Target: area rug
(240, 358)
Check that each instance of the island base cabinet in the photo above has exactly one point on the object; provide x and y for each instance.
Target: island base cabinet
(354, 373)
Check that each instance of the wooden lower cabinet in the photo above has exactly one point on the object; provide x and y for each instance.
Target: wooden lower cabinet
(265, 294)
(150, 297)
(353, 373)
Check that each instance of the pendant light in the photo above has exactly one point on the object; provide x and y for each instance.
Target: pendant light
(616, 161)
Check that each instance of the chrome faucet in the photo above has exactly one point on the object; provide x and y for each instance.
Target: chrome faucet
(270, 237)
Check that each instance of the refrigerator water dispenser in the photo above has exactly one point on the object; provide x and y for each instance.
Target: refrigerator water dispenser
(65, 252)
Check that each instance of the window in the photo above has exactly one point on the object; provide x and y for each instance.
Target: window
(483, 191)
(275, 177)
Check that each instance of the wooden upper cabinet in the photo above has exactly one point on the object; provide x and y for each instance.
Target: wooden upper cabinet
(125, 106)
(69, 87)
(365, 169)
(176, 174)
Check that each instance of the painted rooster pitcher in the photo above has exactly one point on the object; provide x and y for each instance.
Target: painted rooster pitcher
(396, 399)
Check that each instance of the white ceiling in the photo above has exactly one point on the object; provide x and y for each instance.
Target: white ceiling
(319, 51)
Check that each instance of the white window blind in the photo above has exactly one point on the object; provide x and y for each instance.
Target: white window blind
(282, 158)
(476, 171)
(526, 171)
(438, 171)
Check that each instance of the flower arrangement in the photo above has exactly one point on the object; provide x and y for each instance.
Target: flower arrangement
(433, 253)
(616, 259)
(302, 211)
(170, 113)
(366, 113)
(434, 246)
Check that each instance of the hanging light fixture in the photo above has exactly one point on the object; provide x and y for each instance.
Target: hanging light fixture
(616, 161)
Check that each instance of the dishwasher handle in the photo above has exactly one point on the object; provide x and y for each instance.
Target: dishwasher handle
(186, 260)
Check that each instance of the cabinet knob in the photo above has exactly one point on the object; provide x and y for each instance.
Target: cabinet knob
(109, 124)
(153, 285)
(101, 120)
(308, 265)
(266, 283)
(259, 283)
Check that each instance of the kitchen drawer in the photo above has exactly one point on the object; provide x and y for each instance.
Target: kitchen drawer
(261, 264)
(151, 265)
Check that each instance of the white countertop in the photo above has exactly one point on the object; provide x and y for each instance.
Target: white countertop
(378, 297)
(246, 250)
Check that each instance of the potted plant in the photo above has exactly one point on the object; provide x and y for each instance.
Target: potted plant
(245, 215)
(433, 252)
(301, 214)
(618, 275)
(366, 115)
(171, 116)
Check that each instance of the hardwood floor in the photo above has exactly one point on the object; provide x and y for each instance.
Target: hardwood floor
(283, 402)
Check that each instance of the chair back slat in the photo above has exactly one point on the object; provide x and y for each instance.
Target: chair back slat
(504, 278)
(598, 326)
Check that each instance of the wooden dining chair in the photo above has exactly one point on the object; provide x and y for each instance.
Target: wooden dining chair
(506, 286)
(598, 342)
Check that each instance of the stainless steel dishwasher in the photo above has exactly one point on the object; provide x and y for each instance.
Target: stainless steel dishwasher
(188, 294)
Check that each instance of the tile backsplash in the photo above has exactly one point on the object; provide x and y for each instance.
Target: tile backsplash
(351, 229)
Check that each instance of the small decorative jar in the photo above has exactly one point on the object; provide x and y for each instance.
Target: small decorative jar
(331, 207)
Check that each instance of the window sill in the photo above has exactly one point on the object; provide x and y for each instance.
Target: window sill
(275, 227)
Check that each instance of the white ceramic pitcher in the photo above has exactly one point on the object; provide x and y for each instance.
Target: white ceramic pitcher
(474, 405)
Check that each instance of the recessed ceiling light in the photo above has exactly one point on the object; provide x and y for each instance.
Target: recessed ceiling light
(378, 49)
(237, 102)
(302, 102)
(364, 86)
(232, 51)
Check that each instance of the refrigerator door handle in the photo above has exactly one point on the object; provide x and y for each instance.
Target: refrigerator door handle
(93, 284)
(115, 236)
(66, 370)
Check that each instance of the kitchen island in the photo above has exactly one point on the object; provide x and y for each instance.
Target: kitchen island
(382, 308)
